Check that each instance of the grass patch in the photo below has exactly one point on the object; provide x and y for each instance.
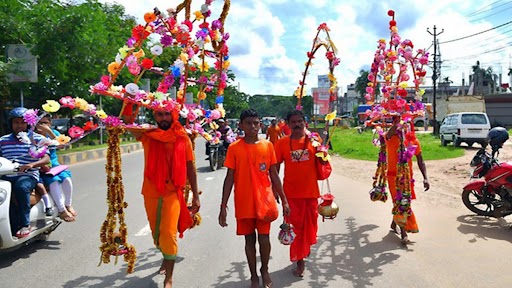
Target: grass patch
(349, 143)
(89, 147)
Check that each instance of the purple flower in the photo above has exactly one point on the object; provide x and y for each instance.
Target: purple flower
(225, 37)
(202, 34)
(130, 42)
(298, 107)
(216, 24)
(166, 40)
(112, 121)
(30, 117)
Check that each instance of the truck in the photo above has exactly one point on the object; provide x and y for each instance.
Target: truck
(456, 104)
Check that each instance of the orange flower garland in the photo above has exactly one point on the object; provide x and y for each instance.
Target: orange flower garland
(114, 243)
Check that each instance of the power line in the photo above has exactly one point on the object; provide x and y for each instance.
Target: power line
(482, 10)
(481, 32)
(502, 10)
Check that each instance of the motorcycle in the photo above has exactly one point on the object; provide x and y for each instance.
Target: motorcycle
(42, 225)
(217, 155)
(491, 196)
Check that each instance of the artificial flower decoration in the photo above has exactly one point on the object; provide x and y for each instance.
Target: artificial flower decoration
(101, 114)
(67, 101)
(157, 50)
(23, 137)
(30, 117)
(147, 63)
(331, 116)
(51, 106)
(75, 132)
(132, 89)
(63, 139)
(37, 152)
(90, 126)
(113, 68)
(149, 17)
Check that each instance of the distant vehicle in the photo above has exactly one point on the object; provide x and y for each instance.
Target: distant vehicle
(459, 104)
(63, 124)
(468, 127)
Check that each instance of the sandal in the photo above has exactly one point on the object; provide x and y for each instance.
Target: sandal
(24, 232)
(71, 210)
(66, 216)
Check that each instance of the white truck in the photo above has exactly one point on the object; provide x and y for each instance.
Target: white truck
(456, 104)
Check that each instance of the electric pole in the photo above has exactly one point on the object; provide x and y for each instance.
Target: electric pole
(434, 78)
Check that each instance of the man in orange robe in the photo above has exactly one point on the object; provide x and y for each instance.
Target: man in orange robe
(168, 163)
(274, 132)
(300, 187)
(250, 162)
(393, 146)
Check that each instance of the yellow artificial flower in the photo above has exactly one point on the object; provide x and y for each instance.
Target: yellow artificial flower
(203, 66)
(330, 116)
(101, 114)
(214, 125)
(81, 104)
(184, 57)
(298, 94)
(63, 139)
(222, 111)
(201, 95)
(123, 51)
(315, 143)
(226, 64)
(403, 84)
(139, 54)
(370, 84)
(198, 15)
(113, 68)
(324, 156)
(331, 77)
(388, 77)
(206, 136)
(51, 106)
(422, 91)
(179, 95)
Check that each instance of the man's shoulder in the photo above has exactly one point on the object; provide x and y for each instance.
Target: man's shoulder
(6, 137)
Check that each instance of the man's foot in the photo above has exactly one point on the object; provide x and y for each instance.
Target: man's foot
(71, 210)
(405, 238)
(23, 232)
(255, 282)
(48, 211)
(299, 271)
(66, 216)
(161, 271)
(265, 276)
(393, 227)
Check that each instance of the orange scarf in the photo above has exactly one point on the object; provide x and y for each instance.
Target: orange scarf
(174, 163)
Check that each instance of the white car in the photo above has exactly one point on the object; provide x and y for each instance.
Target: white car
(468, 127)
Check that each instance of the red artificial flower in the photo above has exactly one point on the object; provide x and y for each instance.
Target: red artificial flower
(329, 55)
(75, 132)
(182, 37)
(193, 68)
(301, 83)
(224, 50)
(311, 55)
(323, 26)
(188, 23)
(139, 33)
(147, 63)
(89, 126)
(391, 13)
(204, 25)
(402, 92)
(392, 23)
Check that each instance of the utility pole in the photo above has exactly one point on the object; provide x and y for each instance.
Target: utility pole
(434, 77)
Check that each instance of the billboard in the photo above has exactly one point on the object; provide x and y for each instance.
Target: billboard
(321, 100)
(25, 64)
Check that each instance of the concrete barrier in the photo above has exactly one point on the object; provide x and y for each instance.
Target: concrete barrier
(101, 153)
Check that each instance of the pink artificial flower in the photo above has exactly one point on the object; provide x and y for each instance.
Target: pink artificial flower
(35, 152)
(67, 101)
(30, 117)
(75, 132)
(112, 121)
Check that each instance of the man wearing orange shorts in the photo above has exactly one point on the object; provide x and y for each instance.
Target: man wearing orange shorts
(262, 155)
(168, 163)
(300, 187)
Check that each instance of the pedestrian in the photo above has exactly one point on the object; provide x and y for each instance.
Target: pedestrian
(284, 127)
(274, 133)
(300, 187)
(12, 148)
(393, 147)
(168, 163)
(249, 180)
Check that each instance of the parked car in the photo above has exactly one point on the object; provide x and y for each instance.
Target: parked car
(468, 127)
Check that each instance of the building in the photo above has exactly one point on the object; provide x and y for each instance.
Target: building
(321, 96)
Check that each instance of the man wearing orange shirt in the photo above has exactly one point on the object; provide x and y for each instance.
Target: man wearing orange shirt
(300, 187)
(393, 146)
(285, 129)
(251, 156)
(273, 132)
(168, 163)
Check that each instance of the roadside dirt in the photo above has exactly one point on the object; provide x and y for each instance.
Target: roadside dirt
(447, 177)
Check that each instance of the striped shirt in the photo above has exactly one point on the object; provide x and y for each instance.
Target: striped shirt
(11, 148)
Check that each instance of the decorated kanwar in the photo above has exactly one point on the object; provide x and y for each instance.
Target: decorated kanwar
(394, 66)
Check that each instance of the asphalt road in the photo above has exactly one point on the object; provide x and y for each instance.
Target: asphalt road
(453, 248)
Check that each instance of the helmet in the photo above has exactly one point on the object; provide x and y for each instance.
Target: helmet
(17, 112)
(497, 136)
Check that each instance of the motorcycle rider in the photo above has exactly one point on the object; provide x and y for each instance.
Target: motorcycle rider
(25, 181)
(225, 131)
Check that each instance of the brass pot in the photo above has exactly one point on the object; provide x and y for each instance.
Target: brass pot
(328, 211)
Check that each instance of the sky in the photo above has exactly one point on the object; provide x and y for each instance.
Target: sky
(270, 38)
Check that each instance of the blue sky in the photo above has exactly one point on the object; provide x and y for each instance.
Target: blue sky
(270, 38)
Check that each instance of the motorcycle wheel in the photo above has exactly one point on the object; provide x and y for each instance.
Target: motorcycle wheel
(478, 204)
(214, 159)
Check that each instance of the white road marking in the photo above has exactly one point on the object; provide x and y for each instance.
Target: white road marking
(209, 178)
(144, 231)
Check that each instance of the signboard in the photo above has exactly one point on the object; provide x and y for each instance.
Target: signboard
(323, 81)
(321, 100)
(25, 64)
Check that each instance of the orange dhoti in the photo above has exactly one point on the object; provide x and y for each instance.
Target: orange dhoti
(304, 218)
(411, 226)
(163, 214)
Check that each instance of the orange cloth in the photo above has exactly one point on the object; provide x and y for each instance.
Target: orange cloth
(285, 128)
(299, 176)
(154, 160)
(273, 133)
(393, 145)
(262, 154)
(304, 218)
(163, 214)
(247, 226)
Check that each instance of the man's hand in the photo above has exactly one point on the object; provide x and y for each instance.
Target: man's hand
(222, 216)
(286, 209)
(196, 204)
(26, 167)
(426, 184)
(44, 128)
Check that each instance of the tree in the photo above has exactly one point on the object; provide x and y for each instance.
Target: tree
(361, 84)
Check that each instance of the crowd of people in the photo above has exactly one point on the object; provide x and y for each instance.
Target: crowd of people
(253, 166)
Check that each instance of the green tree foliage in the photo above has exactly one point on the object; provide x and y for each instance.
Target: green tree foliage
(74, 42)
(279, 106)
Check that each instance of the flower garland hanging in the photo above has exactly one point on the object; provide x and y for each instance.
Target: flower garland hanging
(378, 192)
